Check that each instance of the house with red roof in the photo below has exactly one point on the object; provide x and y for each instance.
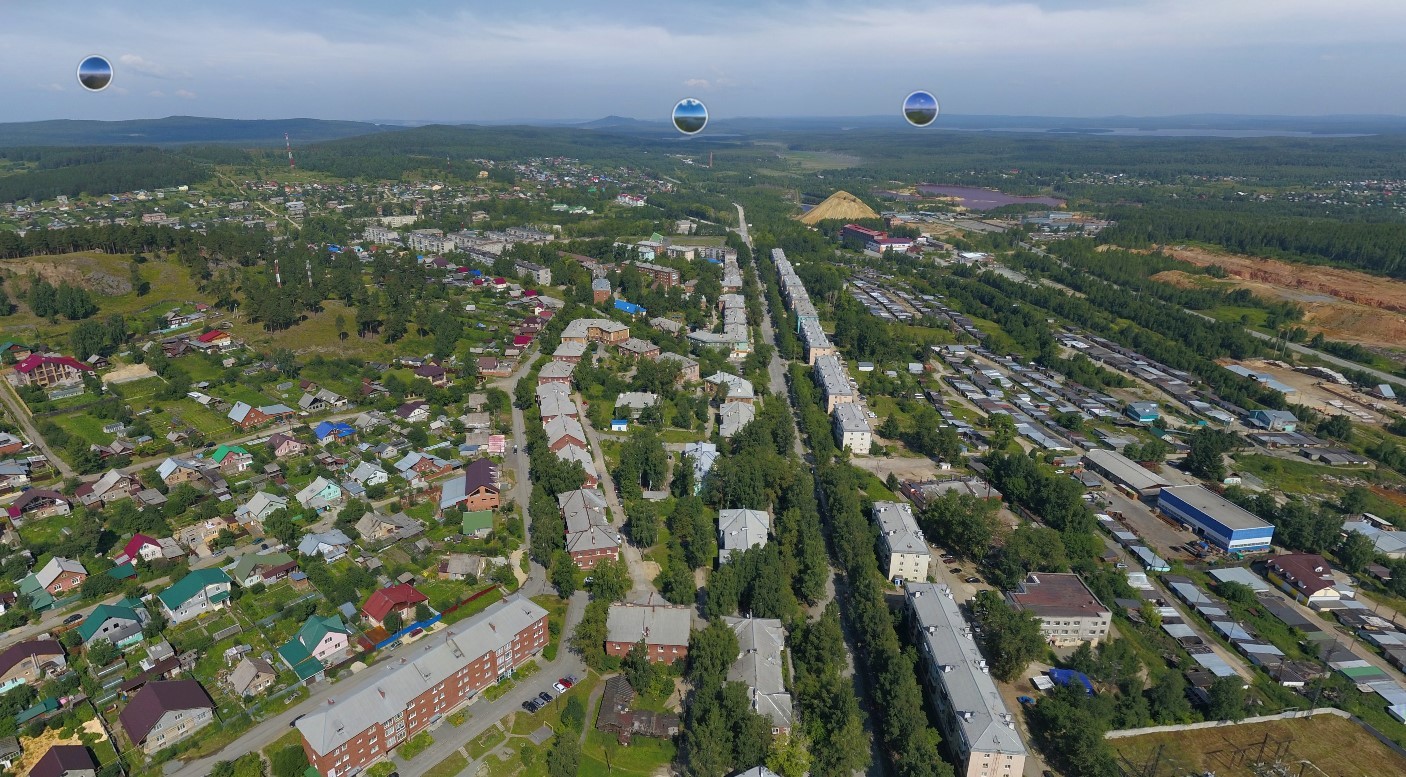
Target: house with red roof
(144, 548)
(48, 369)
(214, 340)
(1308, 577)
(522, 341)
(285, 445)
(400, 598)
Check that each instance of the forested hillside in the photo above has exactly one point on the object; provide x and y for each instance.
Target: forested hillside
(94, 170)
(1374, 247)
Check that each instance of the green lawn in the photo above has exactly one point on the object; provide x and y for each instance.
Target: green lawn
(84, 426)
(485, 742)
(1293, 475)
(643, 756)
(556, 617)
(449, 767)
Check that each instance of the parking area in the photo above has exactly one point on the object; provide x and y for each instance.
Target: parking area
(1159, 535)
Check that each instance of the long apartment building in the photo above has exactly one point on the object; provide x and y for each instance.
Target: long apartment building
(362, 725)
(903, 541)
(834, 382)
(663, 276)
(973, 717)
(734, 335)
(595, 330)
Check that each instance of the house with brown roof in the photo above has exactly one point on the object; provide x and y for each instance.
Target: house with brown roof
(38, 503)
(285, 445)
(65, 761)
(476, 489)
(1069, 612)
(166, 712)
(400, 598)
(26, 662)
(1308, 577)
(251, 677)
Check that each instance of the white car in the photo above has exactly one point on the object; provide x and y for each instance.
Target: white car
(559, 687)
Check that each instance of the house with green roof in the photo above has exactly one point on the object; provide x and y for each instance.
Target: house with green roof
(254, 568)
(320, 643)
(477, 523)
(232, 458)
(199, 592)
(117, 623)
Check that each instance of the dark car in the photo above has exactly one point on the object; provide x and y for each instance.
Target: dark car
(545, 697)
(955, 570)
(531, 705)
(973, 580)
(74, 618)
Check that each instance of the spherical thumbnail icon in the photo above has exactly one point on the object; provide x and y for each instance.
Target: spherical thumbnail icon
(920, 108)
(690, 116)
(95, 73)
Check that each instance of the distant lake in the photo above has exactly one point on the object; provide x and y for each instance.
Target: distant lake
(985, 199)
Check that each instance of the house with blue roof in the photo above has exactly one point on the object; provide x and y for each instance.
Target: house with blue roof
(335, 430)
(629, 308)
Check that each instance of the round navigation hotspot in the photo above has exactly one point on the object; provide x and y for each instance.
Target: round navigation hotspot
(95, 73)
(920, 108)
(690, 116)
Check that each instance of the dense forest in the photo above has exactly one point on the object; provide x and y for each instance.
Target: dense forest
(1374, 247)
(99, 170)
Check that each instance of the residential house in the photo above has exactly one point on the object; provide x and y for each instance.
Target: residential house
(166, 712)
(333, 430)
(60, 575)
(414, 412)
(462, 566)
(331, 544)
(175, 471)
(199, 592)
(377, 527)
(435, 374)
(148, 549)
(1308, 577)
(232, 458)
(369, 474)
(320, 399)
(320, 494)
(422, 466)
(477, 523)
(112, 486)
(48, 370)
(254, 568)
(251, 677)
(284, 445)
(476, 489)
(400, 598)
(14, 475)
(631, 403)
(701, 455)
(259, 507)
(25, 663)
(320, 642)
(902, 541)
(246, 416)
(563, 431)
(38, 503)
(65, 761)
(121, 623)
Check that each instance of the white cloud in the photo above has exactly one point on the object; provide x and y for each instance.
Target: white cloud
(185, 93)
(141, 66)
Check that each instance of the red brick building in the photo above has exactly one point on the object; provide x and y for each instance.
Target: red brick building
(48, 369)
(382, 710)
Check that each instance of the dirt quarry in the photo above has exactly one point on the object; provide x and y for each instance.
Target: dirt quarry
(1343, 304)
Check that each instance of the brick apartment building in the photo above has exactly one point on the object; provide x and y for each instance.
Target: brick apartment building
(364, 723)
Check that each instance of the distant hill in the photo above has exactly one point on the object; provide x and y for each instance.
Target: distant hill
(180, 130)
(840, 205)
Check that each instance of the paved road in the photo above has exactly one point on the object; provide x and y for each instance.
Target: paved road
(26, 424)
(641, 586)
(521, 493)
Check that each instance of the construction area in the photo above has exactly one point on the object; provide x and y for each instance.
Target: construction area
(1321, 392)
(1320, 746)
(1345, 305)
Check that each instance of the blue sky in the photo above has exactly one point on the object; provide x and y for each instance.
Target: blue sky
(555, 60)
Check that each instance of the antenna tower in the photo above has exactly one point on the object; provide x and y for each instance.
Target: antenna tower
(288, 144)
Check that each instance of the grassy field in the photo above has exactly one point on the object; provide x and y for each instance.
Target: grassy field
(84, 426)
(644, 756)
(1293, 475)
(171, 285)
(1334, 745)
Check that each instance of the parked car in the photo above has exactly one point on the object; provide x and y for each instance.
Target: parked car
(567, 681)
(571, 680)
(532, 705)
(955, 570)
(74, 618)
(973, 580)
(545, 697)
(558, 687)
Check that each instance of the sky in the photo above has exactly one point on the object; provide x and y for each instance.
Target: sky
(561, 60)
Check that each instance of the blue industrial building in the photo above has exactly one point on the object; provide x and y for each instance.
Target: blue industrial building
(1220, 521)
(629, 307)
(1142, 412)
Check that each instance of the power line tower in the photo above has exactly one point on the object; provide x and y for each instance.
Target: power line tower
(288, 144)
